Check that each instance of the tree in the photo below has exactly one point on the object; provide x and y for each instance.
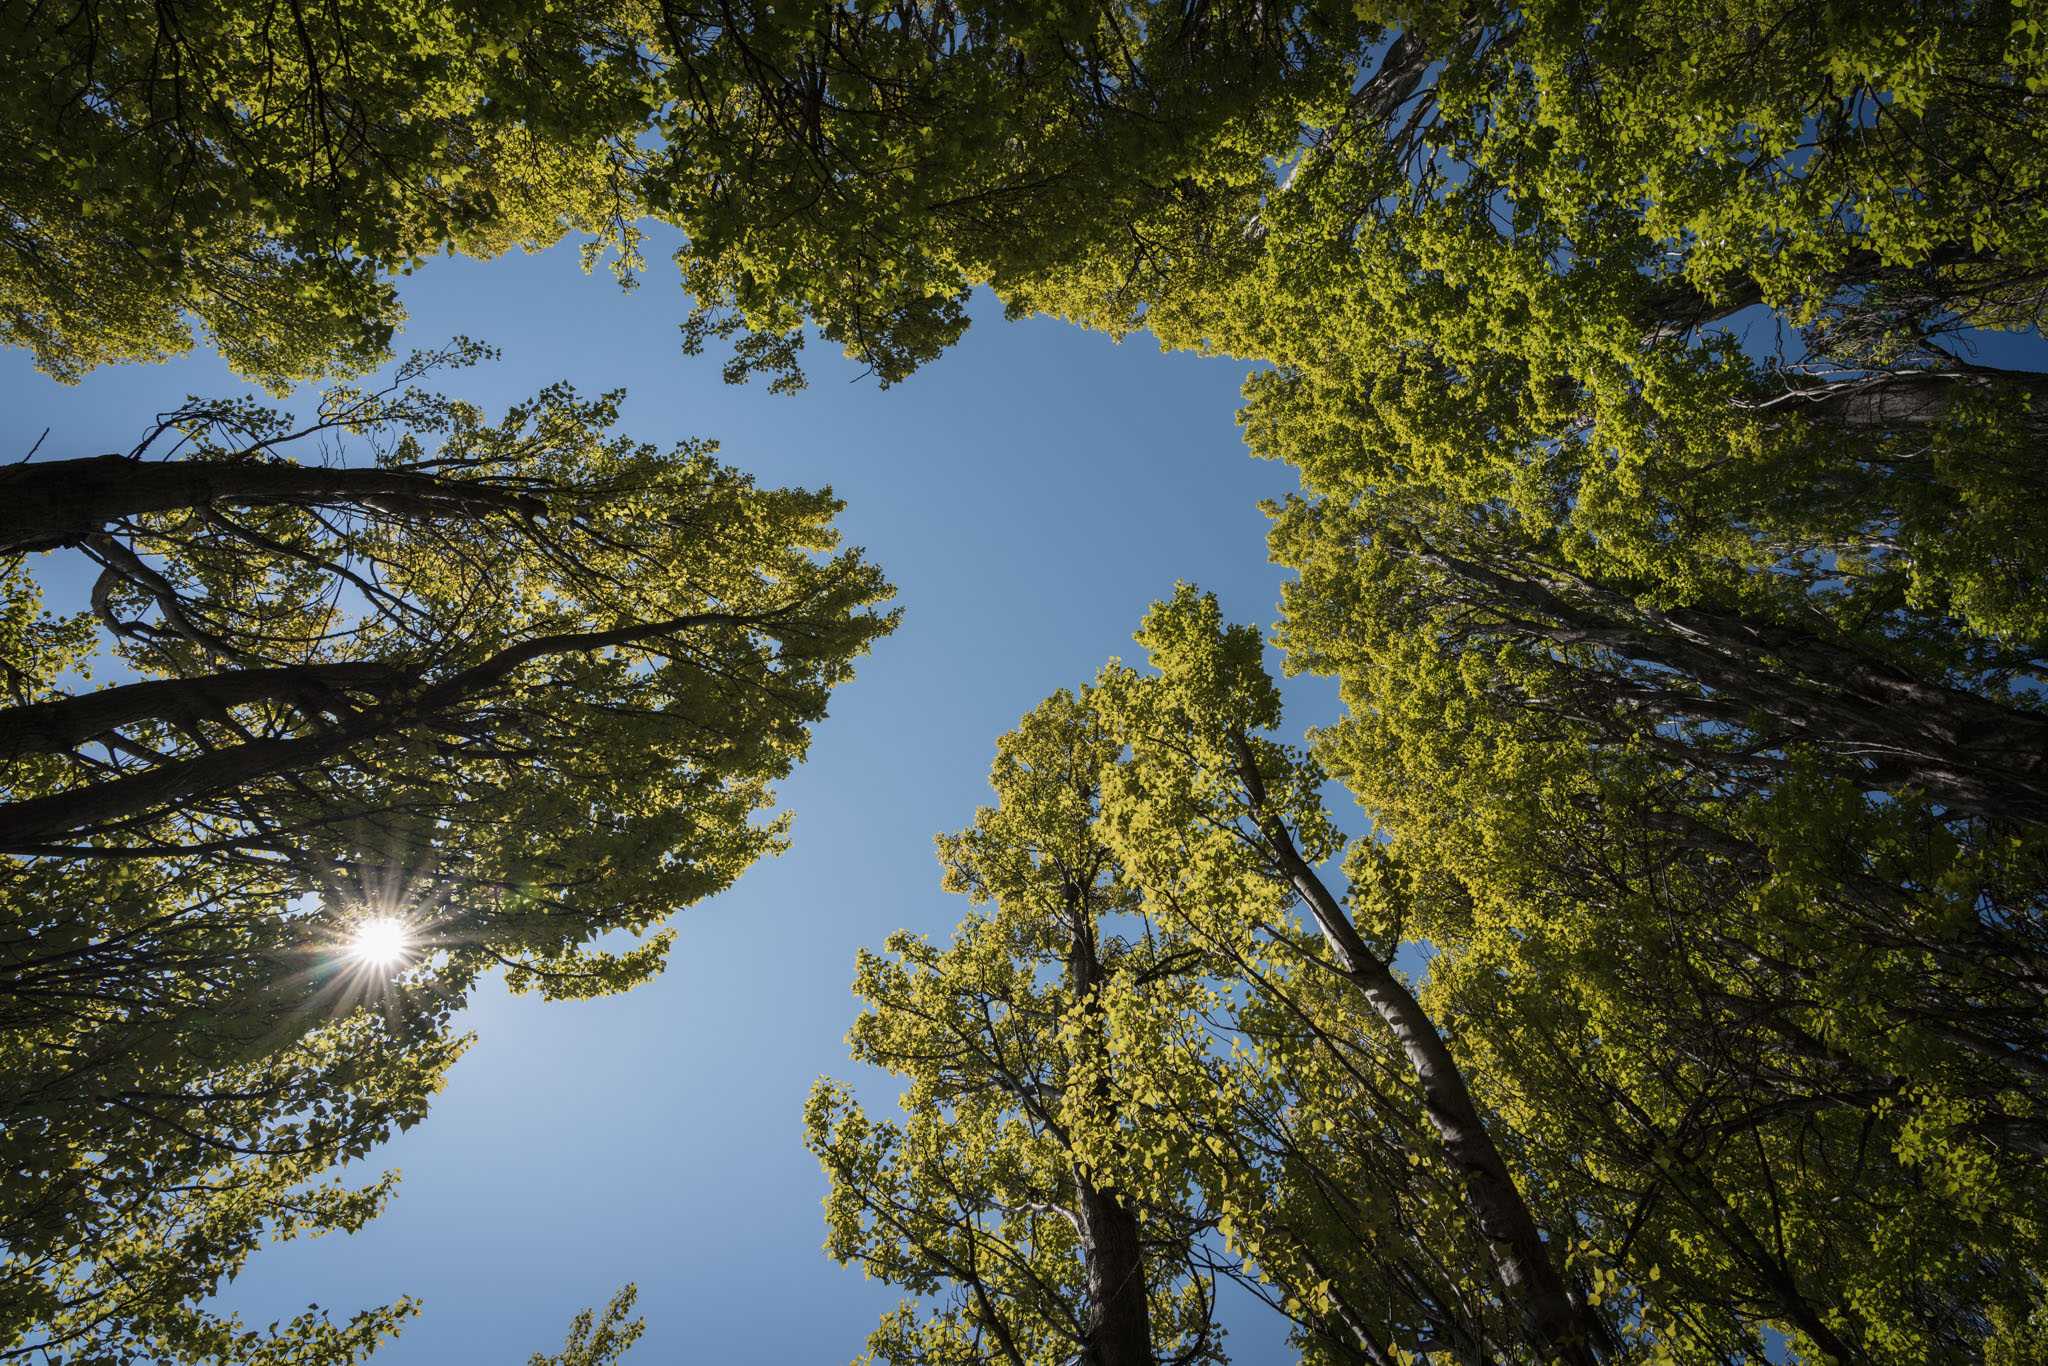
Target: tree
(514, 685)
(1696, 692)
(1751, 1063)
(186, 1060)
(1535, 181)
(1709, 944)
(1474, 307)
(1011, 1179)
(266, 169)
(1279, 1091)
(599, 1340)
(1208, 804)
(1588, 178)
(1683, 675)
(1501, 365)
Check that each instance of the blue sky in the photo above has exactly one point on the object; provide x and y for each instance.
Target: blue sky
(1029, 494)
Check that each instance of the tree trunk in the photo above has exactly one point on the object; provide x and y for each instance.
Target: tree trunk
(56, 726)
(1883, 724)
(27, 826)
(1889, 400)
(53, 503)
(1553, 1325)
(1118, 1318)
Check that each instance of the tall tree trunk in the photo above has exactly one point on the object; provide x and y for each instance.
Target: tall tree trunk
(1118, 1317)
(65, 723)
(52, 503)
(27, 826)
(1552, 1323)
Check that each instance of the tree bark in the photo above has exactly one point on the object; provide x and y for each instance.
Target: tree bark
(28, 826)
(1889, 400)
(1553, 1325)
(53, 503)
(56, 726)
(1118, 1318)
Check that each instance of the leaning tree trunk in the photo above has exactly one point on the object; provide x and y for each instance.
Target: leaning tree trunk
(1556, 1327)
(31, 825)
(65, 723)
(53, 503)
(1872, 719)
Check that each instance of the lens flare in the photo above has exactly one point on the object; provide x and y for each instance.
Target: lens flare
(381, 942)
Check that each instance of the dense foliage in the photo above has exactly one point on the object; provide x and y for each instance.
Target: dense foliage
(1562, 176)
(1680, 566)
(1142, 1023)
(1668, 1092)
(518, 685)
(1675, 550)
(266, 168)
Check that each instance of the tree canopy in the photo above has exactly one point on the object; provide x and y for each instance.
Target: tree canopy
(266, 169)
(1586, 177)
(1676, 553)
(1260, 1100)
(1658, 1099)
(522, 686)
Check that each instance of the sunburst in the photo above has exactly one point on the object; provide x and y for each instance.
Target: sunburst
(381, 942)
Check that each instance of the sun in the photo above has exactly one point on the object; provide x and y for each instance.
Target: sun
(380, 942)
